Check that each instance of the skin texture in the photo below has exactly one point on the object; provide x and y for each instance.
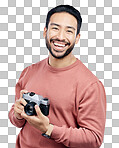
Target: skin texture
(61, 31)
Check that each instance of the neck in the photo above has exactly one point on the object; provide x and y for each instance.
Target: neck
(60, 63)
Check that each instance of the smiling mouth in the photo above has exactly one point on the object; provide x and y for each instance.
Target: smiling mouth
(59, 46)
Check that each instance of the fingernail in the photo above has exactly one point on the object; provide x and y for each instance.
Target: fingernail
(36, 106)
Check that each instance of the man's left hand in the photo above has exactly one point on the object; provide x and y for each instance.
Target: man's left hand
(40, 121)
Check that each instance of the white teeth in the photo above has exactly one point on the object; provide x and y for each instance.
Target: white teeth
(56, 44)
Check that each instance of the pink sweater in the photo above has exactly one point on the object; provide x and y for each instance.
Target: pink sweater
(77, 106)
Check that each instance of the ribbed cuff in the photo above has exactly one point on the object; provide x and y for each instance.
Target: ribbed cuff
(18, 122)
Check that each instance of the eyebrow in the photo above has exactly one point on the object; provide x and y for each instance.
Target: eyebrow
(54, 24)
(66, 26)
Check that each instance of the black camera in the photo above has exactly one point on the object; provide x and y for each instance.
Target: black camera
(32, 99)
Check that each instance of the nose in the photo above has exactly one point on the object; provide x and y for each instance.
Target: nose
(61, 34)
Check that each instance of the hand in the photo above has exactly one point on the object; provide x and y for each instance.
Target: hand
(19, 105)
(40, 121)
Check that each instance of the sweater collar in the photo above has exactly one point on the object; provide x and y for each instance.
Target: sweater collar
(53, 69)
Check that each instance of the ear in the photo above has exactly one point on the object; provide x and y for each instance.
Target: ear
(44, 32)
(77, 38)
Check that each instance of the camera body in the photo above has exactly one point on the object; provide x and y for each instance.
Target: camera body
(32, 99)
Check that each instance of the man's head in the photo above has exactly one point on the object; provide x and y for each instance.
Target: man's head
(62, 30)
(65, 8)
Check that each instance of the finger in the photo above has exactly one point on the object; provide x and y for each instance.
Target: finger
(23, 102)
(19, 105)
(22, 92)
(30, 119)
(17, 110)
(24, 115)
(38, 111)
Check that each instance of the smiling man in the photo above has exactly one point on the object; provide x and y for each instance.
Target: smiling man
(62, 34)
(77, 98)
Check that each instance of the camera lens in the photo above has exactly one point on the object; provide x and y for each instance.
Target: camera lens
(29, 109)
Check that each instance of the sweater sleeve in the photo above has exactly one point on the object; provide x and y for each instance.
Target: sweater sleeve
(91, 118)
(16, 122)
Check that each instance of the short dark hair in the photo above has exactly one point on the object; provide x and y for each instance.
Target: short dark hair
(65, 8)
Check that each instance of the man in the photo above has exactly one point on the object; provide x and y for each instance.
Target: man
(77, 98)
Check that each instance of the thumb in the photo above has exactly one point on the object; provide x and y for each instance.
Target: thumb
(38, 111)
(22, 92)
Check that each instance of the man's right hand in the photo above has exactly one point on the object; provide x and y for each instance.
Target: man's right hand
(19, 105)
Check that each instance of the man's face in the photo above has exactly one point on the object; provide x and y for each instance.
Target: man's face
(61, 34)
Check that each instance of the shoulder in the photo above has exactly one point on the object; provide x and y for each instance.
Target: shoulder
(28, 71)
(84, 76)
(36, 66)
(85, 73)
(87, 82)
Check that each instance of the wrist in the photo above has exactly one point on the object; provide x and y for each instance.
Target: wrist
(49, 130)
(47, 134)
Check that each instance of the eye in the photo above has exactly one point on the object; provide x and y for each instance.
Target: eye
(54, 28)
(69, 31)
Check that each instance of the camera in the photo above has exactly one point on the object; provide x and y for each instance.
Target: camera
(32, 99)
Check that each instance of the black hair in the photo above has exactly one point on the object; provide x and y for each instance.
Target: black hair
(65, 8)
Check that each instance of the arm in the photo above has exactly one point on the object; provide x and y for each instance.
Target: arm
(91, 119)
(14, 113)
